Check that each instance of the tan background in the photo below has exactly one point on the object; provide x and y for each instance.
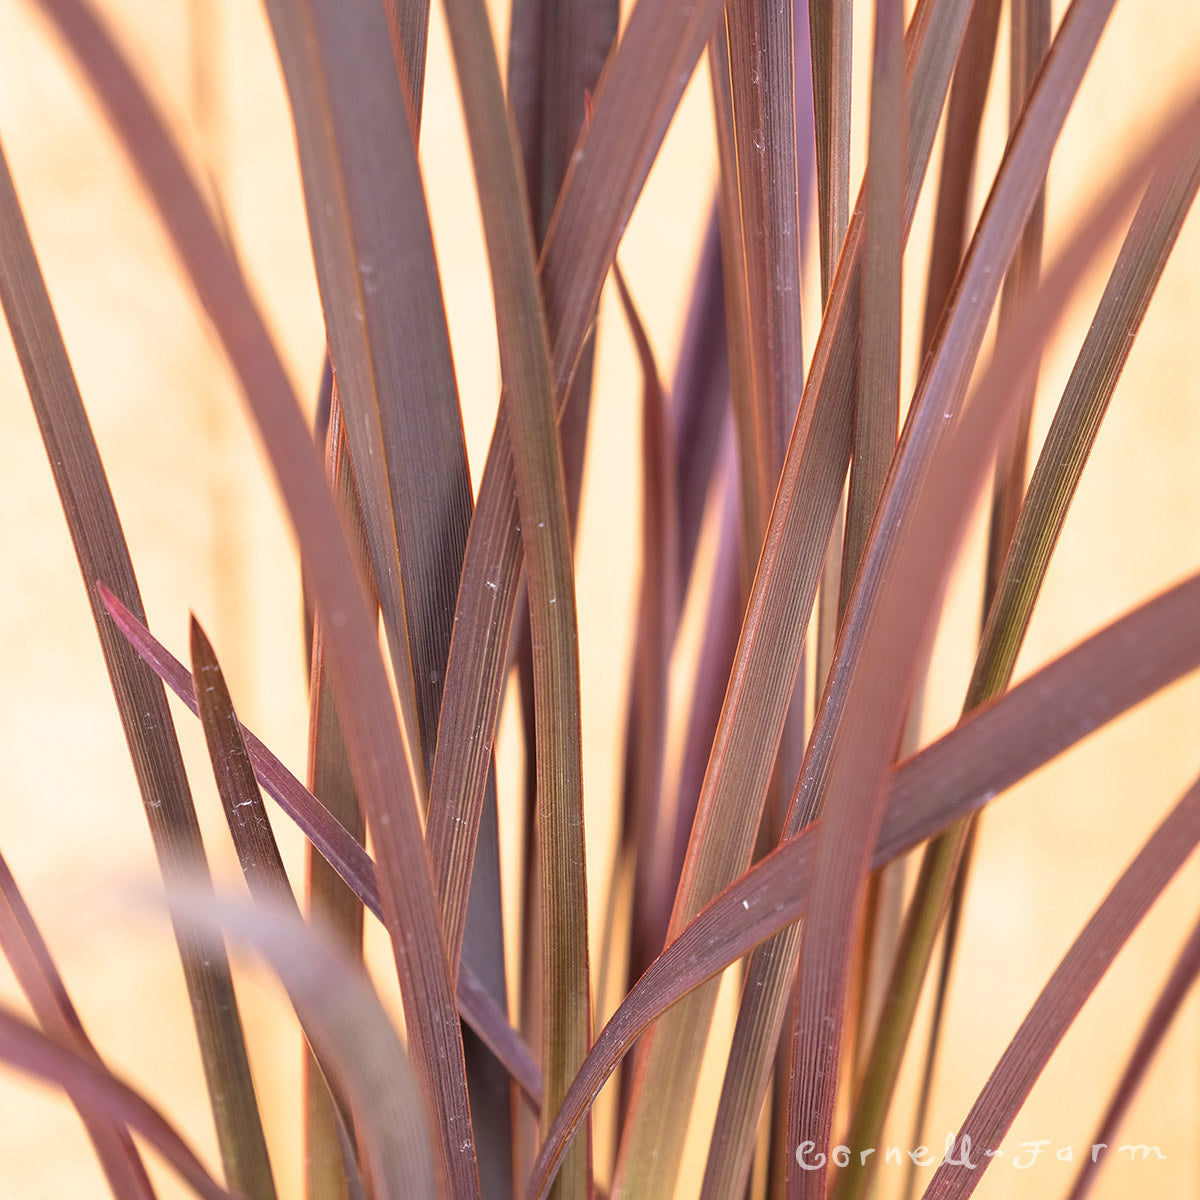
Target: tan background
(207, 535)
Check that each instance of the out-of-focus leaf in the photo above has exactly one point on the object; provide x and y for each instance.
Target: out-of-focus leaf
(246, 815)
(1063, 997)
(349, 1032)
(381, 296)
(1175, 991)
(657, 620)
(107, 1098)
(700, 397)
(1089, 389)
(388, 786)
(334, 843)
(100, 549)
(1114, 670)
(38, 977)
(773, 633)
(831, 769)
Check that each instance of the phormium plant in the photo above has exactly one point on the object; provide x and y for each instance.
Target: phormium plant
(849, 428)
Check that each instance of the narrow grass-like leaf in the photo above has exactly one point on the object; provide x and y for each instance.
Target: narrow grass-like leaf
(960, 148)
(28, 1049)
(408, 26)
(739, 338)
(773, 633)
(764, 129)
(246, 815)
(1111, 672)
(831, 27)
(387, 779)
(346, 855)
(877, 413)
(541, 494)
(1090, 387)
(700, 397)
(349, 1032)
(1068, 989)
(657, 619)
(101, 551)
(332, 905)
(381, 296)
(236, 784)
(38, 977)
(848, 835)
(1170, 1000)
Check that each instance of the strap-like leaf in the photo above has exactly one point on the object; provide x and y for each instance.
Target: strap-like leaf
(349, 1031)
(774, 630)
(1115, 669)
(334, 843)
(38, 977)
(101, 551)
(1068, 989)
(106, 1097)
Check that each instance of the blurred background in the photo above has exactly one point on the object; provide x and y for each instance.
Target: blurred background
(207, 535)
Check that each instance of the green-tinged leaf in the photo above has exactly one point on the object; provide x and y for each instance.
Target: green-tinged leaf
(774, 630)
(246, 815)
(546, 537)
(335, 844)
(382, 300)
(101, 552)
(1170, 1000)
(658, 611)
(833, 769)
(349, 1032)
(106, 1097)
(1089, 389)
(831, 27)
(38, 978)
(1063, 997)
(1115, 669)
(332, 905)
(635, 100)
(877, 411)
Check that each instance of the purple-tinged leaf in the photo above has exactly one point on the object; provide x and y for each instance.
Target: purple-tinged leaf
(658, 610)
(532, 408)
(334, 843)
(38, 977)
(857, 709)
(774, 629)
(91, 1084)
(350, 1034)
(102, 553)
(1063, 997)
(1170, 1000)
(381, 296)
(1111, 672)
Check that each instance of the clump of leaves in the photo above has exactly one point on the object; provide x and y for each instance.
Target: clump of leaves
(782, 819)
